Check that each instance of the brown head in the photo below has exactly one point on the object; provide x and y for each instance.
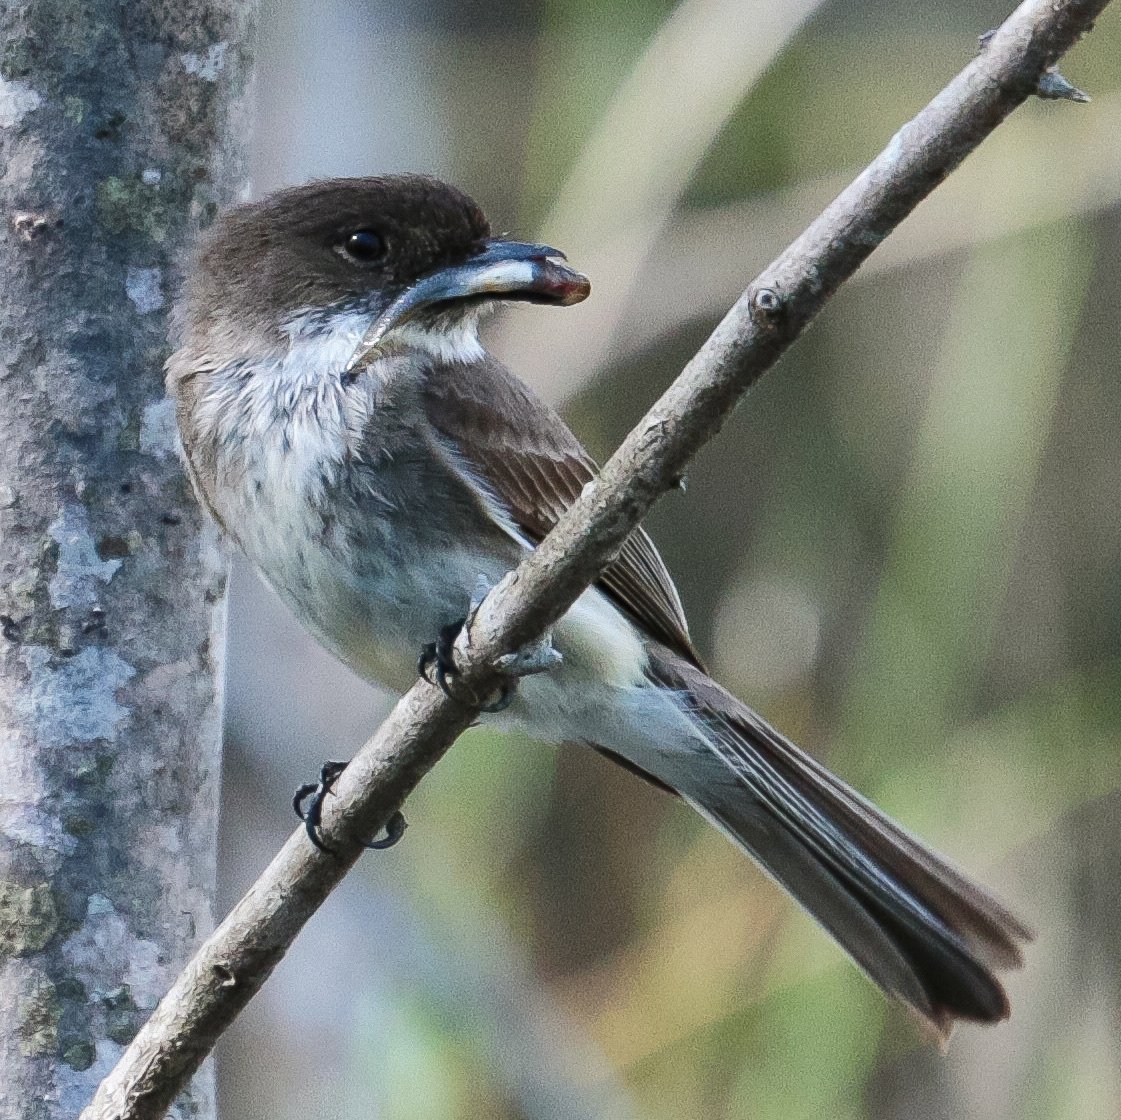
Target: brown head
(401, 247)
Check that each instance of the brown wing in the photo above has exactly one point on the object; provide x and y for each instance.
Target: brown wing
(527, 455)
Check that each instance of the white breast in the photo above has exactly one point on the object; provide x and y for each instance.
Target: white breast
(281, 437)
(284, 438)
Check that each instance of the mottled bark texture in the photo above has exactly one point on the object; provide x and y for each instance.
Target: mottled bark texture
(237, 959)
(120, 133)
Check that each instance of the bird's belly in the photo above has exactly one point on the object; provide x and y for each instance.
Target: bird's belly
(374, 584)
(377, 621)
(376, 614)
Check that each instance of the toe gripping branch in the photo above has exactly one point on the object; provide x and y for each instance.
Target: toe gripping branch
(436, 665)
(314, 794)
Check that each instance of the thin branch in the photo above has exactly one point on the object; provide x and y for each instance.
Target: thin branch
(235, 961)
(1059, 174)
(620, 194)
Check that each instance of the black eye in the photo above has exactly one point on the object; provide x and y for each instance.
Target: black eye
(364, 246)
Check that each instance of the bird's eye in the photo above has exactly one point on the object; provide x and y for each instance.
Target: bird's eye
(364, 246)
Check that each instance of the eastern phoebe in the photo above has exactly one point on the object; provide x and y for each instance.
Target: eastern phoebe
(373, 495)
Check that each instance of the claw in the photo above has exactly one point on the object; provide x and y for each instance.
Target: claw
(394, 830)
(312, 814)
(436, 663)
(439, 657)
(505, 698)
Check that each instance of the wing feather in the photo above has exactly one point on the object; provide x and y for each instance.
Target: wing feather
(520, 448)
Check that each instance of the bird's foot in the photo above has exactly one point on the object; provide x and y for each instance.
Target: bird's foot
(436, 665)
(315, 793)
(437, 660)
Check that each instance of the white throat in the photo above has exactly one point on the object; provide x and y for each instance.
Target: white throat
(457, 342)
(323, 343)
(330, 342)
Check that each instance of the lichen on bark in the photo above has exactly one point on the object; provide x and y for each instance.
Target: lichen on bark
(121, 131)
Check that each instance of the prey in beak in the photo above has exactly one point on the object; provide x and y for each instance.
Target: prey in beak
(509, 270)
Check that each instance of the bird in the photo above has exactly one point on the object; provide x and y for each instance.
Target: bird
(342, 422)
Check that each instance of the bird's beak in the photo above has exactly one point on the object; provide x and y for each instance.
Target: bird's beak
(511, 270)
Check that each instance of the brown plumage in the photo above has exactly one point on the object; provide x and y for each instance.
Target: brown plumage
(519, 447)
(340, 418)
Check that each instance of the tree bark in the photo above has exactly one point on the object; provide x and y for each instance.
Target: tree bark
(121, 131)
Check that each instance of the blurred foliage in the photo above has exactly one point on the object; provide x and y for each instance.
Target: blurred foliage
(903, 549)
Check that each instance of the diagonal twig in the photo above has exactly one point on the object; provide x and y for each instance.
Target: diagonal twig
(237, 958)
(619, 196)
(703, 253)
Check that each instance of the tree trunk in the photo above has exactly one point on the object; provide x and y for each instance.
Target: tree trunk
(121, 130)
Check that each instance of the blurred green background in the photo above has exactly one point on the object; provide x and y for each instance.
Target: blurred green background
(903, 549)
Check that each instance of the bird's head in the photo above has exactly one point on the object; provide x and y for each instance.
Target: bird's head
(405, 252)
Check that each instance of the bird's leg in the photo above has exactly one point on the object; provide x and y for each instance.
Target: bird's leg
(315, 793)
(437, 659)
(437, 664)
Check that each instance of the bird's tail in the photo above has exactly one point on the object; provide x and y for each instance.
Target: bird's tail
(923, 931)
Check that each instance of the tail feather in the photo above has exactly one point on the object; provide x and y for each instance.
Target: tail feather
(920, 928)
